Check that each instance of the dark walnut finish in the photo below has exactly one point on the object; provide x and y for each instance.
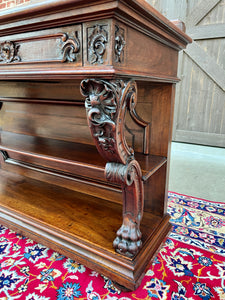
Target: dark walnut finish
(86, 93)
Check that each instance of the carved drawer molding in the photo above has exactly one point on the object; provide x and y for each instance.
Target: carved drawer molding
(104, 43)
(51, 46)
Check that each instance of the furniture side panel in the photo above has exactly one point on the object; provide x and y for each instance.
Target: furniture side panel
(155, 107)
(146, 55)
(162, 114)
(155, 189)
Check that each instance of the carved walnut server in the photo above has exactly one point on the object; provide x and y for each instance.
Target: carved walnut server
(86, 91)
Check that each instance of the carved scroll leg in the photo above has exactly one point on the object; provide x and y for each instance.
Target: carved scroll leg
(106, 105)
(128, 240)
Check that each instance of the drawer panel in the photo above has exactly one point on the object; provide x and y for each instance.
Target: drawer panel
(58, 45)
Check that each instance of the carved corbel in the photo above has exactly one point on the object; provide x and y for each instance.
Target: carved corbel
(106, 105)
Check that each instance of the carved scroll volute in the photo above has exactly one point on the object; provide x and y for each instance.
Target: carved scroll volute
(106, 104)
(97, 44)
(119, 44)
(70, 47)
(127, 101)
(128, 241)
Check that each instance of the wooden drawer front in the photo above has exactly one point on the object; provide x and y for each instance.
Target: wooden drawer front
(63, 45)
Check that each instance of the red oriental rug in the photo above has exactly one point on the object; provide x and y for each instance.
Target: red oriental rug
(191, 264)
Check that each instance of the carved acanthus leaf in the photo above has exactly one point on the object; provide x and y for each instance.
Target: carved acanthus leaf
(9, 52)
(96, 44)
(106, 104)
(70, 47)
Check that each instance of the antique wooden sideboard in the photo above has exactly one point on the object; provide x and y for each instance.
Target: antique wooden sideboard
(86, 94)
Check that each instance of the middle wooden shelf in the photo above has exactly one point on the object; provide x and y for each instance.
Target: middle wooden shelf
(71, 158)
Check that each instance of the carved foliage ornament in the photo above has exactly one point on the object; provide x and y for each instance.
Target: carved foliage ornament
(70, 47)
(9, 52)
(119, 43)
(106, 104)
(96, 44)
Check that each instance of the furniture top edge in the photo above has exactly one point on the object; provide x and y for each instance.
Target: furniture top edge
(114, 7)
(149, 11)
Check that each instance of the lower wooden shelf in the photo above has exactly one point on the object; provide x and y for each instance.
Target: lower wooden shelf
(78, 225)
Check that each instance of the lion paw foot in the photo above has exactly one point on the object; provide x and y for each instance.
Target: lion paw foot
(128, 240)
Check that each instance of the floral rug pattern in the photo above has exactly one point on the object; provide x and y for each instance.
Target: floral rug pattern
(198, 222)
(190, 265)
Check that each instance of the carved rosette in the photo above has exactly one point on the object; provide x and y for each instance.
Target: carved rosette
(71, 47)
(9, 52)
(106, 105)
(119, 44)
(96, 44)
